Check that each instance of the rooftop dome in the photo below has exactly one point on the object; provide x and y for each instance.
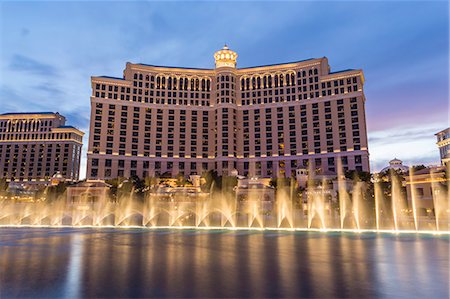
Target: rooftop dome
(396, 164)
(225, 57)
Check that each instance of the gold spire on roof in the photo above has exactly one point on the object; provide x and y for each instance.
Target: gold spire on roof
(225, 57)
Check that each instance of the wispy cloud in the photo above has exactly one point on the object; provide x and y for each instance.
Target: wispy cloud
(413, 145)
(27, 64)
(50, 90)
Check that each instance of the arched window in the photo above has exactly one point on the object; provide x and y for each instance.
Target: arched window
(258, 82)
(265, 81)
(135, 76)
(310, 72)
(293, 79)
(276, 80)
(222, 78)
(186, 83)
(288, 81)
(269, 79)
(163, 82)
(197, 84)
(203, 84)
(175, 83)
(169, 83)
(147, 77)
(315, 72)
(304, 73)
(140, 77)
(208, 85)
(192, 84)
(281, 80)
(158, 82)
(247, 83)
(242, 84)
(253, 83)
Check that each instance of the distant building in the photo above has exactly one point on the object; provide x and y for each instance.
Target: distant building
(263, 121)
(396, 164)
(428, 186)
(251, 191)
(35, 146)
(443, 142)
(424, 185)
(88, 192)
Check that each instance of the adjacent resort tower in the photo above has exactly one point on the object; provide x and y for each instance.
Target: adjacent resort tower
(264, 121)
(35, 146)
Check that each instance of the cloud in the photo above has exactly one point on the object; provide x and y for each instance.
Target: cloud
(413, 145)
(24, 31)
(26, 64)
(50, 89)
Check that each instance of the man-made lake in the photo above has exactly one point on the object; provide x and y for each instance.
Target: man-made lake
(84, 262)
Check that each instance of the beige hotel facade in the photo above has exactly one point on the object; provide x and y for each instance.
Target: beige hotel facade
(264, 121)
(35, 146)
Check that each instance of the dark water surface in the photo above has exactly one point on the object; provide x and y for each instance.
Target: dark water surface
(75, 263)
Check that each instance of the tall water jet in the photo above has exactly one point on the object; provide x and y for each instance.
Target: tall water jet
(378, 200)
(342, 194)
(316, 204)
(284, 203)
(413, 197)
(398, 201)
(440, 196)
(356, 196)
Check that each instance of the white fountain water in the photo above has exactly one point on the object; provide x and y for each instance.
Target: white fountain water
(224, 210)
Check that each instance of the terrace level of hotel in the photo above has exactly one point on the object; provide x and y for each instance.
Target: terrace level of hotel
(263, 121)
(36, 145)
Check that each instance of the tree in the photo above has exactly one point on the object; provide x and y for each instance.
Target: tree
(3, 185)
(228, 184)
(360, 176)
(151, 183)
(418, 167)
(56, 192)
(212, 179)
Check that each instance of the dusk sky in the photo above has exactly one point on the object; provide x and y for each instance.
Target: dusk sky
(49, 51)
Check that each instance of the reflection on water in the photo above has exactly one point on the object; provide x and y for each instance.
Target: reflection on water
(74, 263)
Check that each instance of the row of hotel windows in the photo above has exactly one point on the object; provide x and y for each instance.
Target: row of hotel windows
(255, 82)
(194, 113)
(278, 81)
(255, 98)
(39, 136)
(172, 83)
(227, 96)
(35, 161)
(293, 133)
(192, 101)
(195, 167)
(203, 85)
(25, 125)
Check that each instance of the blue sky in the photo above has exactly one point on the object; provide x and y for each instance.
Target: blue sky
(49, 50)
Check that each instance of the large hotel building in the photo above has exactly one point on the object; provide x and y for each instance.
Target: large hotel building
(35, 146)
(264, 121)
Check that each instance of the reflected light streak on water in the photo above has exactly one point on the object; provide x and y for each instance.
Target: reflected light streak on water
(142, 263)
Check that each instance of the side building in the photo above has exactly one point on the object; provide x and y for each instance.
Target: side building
(34, 146)
(264, 121)
(443, 143)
